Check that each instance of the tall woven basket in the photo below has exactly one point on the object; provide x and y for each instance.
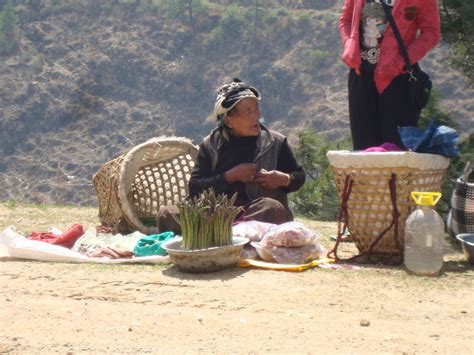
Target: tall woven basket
(374, 190)
(132, 187)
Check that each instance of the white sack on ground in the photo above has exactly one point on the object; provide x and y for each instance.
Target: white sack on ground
(14, 245)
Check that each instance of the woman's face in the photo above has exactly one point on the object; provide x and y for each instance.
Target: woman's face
(244, 119)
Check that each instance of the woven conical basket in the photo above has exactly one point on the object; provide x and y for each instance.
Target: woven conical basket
(370, 205)
(132, 187)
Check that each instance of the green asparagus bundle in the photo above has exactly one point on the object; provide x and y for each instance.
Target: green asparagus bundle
(206, 221)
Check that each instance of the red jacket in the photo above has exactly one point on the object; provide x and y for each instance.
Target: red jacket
(410, 16)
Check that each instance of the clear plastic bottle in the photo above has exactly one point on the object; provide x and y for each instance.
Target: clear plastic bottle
(424, 235)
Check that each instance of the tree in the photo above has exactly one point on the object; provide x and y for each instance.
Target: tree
(458, 30)
(190, 15)
(318, 198)
(178, 8)
(456, 166)
(35, 5)
(256, 18)
(9, 41)
(2, 4)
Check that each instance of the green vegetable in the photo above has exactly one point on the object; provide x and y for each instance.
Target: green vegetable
(206, 221)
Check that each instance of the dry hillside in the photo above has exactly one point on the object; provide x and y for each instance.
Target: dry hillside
(90, 80)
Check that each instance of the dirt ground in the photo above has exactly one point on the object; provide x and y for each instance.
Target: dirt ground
(132, 309)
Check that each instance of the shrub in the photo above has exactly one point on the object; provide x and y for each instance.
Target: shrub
(432, 111)
(9, 41)
(318, 198)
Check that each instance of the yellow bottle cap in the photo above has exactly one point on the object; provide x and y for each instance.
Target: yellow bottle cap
(425, 198)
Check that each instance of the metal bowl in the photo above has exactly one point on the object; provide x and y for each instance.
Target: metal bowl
(467, 242)
(204, 260)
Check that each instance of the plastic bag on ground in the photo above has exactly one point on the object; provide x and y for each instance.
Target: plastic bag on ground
(289, 243)
(285, 255)
(248, 252)
(290, 234)
(253, 230)
(297, 255)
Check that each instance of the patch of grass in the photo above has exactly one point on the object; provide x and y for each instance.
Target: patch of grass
(27, 217)
(11, 203)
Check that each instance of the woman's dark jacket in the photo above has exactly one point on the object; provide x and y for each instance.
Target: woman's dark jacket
(270, 151)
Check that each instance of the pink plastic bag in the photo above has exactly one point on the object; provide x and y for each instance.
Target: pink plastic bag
(253, 230)
(290, 234)
(289, 243)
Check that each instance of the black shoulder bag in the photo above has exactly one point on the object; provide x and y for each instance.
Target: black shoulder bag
(419, 88)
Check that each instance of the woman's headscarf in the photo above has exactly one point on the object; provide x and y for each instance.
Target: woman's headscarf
(229, 95)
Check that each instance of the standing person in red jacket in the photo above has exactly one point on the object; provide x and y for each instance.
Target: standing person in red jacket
(378, 82)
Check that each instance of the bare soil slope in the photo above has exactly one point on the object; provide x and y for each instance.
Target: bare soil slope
(90, 80)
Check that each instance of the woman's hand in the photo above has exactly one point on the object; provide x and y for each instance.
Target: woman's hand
(272, 179)
(243, 172)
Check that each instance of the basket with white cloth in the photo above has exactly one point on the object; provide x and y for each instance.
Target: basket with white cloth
(374, 190)
(132, 187)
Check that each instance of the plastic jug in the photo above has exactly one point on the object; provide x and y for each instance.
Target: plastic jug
(424, 235)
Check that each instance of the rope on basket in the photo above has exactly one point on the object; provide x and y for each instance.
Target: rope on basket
(343, 215)
(343, 220)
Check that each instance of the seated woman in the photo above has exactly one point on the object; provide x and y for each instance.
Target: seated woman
(243, 156)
